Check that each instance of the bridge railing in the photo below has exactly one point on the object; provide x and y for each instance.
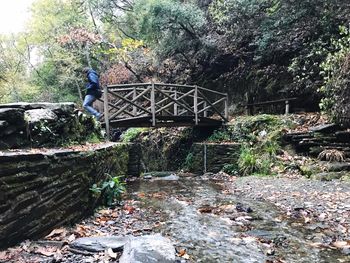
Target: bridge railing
(125, 101)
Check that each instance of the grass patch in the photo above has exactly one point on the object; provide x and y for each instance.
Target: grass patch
(131, 134)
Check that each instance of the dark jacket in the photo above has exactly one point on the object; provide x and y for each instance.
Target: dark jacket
(93, 85)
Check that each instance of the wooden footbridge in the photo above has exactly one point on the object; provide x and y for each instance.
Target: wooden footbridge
(162, 105)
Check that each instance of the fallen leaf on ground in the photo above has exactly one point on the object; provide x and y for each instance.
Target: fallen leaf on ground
(105, 212)
(159, 195)
(111, 254)
(141, 195)
(71, 238)
(205, 209)
(181, 253)
(318, 245)
(307, 220)
(82, 231)
(4, 255)
(129, 209)
(46, 251)
(341, 244)
(56, 232)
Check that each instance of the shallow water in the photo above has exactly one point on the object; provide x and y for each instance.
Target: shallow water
(219, 233)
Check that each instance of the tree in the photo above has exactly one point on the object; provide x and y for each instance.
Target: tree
(14, 84)
(58, 74)
(277, 43)
(336, 72)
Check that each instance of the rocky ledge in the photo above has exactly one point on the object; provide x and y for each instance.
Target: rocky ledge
(44, 124)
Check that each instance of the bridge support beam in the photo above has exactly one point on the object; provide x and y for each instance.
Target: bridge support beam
(106, 111)
(226, 107)
(195, 105)
(153, 105)
(175, 104)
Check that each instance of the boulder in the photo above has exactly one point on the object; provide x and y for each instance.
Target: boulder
(64, 107)
(342, 136)
(16, 140)
(325, 128)
(329, 176)
(152, 248)
(9, 130)
(166, 176)
(338, 166)
(38, 115)
(97, 244)
(171, 177)
(11, 115)
(3, 124)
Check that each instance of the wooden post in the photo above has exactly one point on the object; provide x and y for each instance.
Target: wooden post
(226, 107)
(153, 105)
(134, 109)
(206, 111)
(175, 104)
(287, 107)
(195, 104)
(205, 158)
(106, 111)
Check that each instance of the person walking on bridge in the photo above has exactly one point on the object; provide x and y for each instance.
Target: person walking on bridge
(93, 92)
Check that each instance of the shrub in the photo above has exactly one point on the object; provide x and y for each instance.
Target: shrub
(332, 156)
(110, 191)
(221, 135)
(231, 169)
(189, 161)
(248, 161)
(254, 161)
(131, 134)
(336, 70)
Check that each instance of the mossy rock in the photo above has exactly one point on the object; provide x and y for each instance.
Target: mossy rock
(309, 170)
(329, 176)
(158, 174)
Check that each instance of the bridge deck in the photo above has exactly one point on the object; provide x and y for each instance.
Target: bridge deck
(162, 105)
(165, 121)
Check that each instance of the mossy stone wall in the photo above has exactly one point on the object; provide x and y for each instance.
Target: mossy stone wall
(41, 191)
(24, 125)
(214, 155)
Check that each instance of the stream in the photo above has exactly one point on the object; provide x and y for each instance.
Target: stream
(213, 224)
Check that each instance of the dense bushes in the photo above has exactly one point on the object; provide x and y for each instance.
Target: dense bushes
(252, 49)
(336, 70)
(259, 137)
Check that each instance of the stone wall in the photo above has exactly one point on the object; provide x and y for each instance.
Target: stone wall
(44, 124)
(212, 157)
(40, 191)
(165, 149)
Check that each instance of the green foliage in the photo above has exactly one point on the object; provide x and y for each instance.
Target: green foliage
(248, 161)
(14, 79)
(131, 134)
(252, 129)
(93, 138)
(220, 135)
(260, 138)
(260, 48)
(231, 169)
(336, 70)
(168, 25)
(189, 161)
(271, 148)
(254, 161)
(109, 191)
(65, 131)
(283, 42)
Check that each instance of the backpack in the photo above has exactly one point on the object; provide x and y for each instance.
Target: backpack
(98, 94)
